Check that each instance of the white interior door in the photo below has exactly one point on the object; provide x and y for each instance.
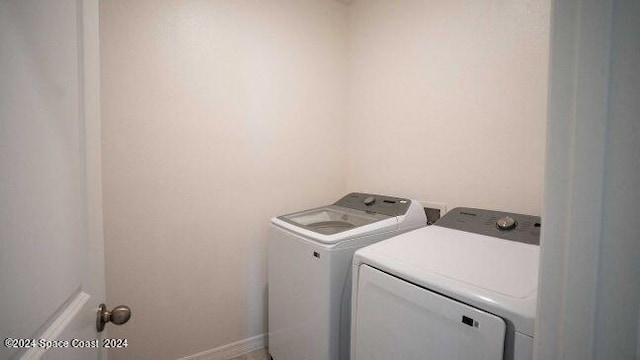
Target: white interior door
(51, 251)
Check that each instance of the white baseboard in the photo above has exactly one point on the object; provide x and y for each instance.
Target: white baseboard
(226, 352)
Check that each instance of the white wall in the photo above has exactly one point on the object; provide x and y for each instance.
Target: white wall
(448, 101)
(217, 115)
(589, 293)
(617, 333)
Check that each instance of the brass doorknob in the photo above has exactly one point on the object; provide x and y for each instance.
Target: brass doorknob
(119, 315)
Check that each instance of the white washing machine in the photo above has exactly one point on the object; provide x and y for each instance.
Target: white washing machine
(464, 288)
(309, 268)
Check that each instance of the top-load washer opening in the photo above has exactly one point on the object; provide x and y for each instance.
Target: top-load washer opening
(329, 220)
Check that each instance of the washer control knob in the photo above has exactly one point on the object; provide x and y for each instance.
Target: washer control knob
(369, 200)
(506, 223)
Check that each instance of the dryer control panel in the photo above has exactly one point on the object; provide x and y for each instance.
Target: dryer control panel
(379, 204)
(509, 226)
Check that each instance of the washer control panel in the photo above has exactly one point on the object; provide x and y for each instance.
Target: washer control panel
(509, 226)
(379, 204)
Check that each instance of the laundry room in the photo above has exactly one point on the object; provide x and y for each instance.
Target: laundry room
(213, 117)
(220, 115)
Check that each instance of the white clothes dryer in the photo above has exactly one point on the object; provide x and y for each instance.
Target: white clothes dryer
(309, 270)
(464, 288)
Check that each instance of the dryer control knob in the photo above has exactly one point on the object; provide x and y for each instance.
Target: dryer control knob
(506, 223)
(369, 200)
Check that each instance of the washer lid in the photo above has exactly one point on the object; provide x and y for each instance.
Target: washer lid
(331, 219)
(332, 224)
(497, 275)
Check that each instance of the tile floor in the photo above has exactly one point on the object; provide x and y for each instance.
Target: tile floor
(255, 355)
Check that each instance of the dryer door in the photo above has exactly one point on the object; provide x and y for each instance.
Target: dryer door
(398, 320)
